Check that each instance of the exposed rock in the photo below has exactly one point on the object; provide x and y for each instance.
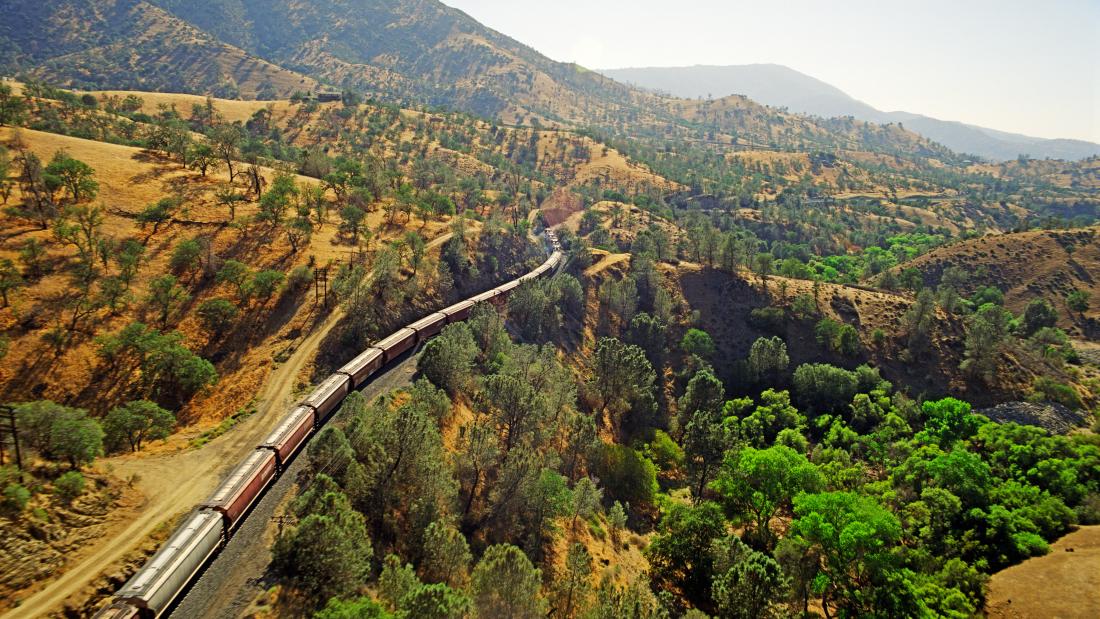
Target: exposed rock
(1054, 418)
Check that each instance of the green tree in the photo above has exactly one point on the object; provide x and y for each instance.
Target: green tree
(12, 106)
(166, 296)
(265, 284)
(1078, 301)
(328, 554)
(235, 273)
(358, 608)
(447, 556)
(186, 257)
(69, 486)
(505, 584)
(573, 587)
(59, 432)
(680, 552)
(747, 584)
(854, 536)
(1038, 315)
(698, 342)
(202, 157)
(755, 484)
(768, 360)
(447, 360)
(10, 278)
(136, 422)
(217, 315)
(436, 601)
(985, 334)
(159, 212)
(226, 140)
(77, 177)
(623, 380)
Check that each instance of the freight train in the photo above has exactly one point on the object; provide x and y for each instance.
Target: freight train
(156, 586)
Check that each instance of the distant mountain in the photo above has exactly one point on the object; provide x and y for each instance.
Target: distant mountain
(402, 51)
(781, 86)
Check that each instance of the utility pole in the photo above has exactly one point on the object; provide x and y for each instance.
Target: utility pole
(7, 413)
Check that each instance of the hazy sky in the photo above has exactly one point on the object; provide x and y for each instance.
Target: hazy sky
(1029, 67)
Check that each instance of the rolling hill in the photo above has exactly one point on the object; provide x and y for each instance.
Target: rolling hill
(421, 53)
(783, 87)
(133, 45)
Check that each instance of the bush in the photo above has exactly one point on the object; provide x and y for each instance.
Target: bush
(16, 498)
(769, 319)
(1050, 390)
(300, 278)
(627, 475)
(664, 451)
(69, 486)
(822, 387)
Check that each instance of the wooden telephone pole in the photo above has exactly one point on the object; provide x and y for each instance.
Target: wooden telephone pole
(7, 426)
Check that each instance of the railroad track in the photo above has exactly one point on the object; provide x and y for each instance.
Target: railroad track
(169, 573)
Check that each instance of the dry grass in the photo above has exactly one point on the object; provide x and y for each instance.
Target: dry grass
(1063, 584)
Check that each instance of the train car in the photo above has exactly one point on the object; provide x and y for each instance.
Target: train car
(486, 297)
(396, 343)
(361, 367)
(118, 610)
(326, 397)
(288, 437)
(428, 326)
(154, 587)
(459, 311)
(506, 289)
(243, 486)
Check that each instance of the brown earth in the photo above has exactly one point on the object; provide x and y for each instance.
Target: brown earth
(1063, 584)
(1028, 265)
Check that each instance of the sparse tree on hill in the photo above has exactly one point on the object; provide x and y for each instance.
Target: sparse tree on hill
(1078, 301)
(216, 315)
(9, 278)
(165, 296)
(226, 141)
(136, 422)
(202, 157)
(77, 177)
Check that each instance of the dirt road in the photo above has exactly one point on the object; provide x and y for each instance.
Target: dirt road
(174, 483)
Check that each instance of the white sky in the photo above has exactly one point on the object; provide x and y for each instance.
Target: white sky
(1029, 67)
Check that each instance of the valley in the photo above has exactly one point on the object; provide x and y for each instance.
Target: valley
(671, 357)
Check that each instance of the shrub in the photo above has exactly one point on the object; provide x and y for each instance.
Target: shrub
(664, 451)
(16, 498)
(627, 475)
(1050, 390)
(769, 319)
(69, 486)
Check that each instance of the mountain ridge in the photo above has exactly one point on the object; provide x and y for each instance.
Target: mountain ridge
(781, 86)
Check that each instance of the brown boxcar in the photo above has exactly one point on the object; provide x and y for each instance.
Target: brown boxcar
(506, 289)
(328, 395)
(429, 325)
(459, 311)
(360, 368)
(233, 498)
(486, 296)
(291, 432)
(396, 343)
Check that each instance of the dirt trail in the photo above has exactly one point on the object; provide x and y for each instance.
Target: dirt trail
(174, 483)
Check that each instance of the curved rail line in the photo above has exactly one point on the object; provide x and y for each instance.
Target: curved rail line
(170, 571)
